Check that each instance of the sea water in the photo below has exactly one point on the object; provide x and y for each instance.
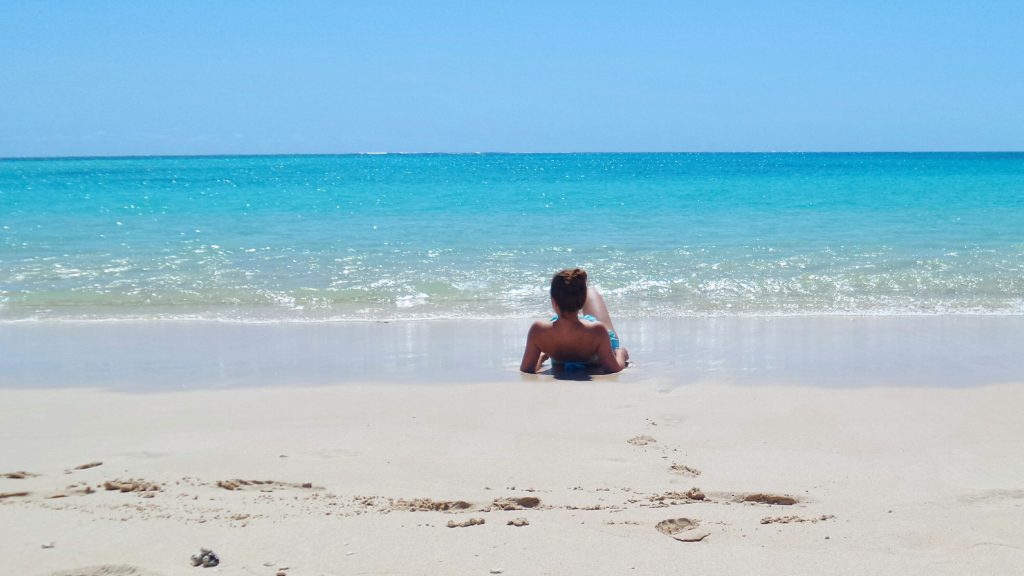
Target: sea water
(358, 237)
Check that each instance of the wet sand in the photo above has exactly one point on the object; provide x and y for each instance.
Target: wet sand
(847, 351)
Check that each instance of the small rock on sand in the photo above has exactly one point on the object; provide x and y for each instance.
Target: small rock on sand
(206, 558)
(518, 522)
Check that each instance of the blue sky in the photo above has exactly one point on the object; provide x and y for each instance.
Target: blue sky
(227, 77)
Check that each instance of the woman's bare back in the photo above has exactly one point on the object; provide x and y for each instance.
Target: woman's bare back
(569, 341)
(572, 339)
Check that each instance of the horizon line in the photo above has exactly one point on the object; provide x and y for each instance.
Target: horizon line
(494, 153)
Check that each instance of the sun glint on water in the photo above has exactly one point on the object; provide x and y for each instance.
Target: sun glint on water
(441, 236)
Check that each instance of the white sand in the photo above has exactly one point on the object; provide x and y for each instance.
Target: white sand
(911, 481)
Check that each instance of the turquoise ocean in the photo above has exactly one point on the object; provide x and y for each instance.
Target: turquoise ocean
(360, 237)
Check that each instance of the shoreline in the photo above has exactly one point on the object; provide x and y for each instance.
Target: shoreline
(286, 320)
(821, 351)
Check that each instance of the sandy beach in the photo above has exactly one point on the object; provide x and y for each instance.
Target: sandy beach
(522, 475)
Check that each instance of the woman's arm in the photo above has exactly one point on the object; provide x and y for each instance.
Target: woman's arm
(622, 355)
(531, 356)
(612, 360)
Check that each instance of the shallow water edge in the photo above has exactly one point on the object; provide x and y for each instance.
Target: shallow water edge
(829, 351)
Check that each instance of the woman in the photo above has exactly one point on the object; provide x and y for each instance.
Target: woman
(570, 339)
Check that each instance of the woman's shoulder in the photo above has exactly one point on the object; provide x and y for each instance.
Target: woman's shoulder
(539, 325)
(596, 326)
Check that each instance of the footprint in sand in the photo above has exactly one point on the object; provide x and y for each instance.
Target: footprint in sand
(260, 485)
(796, 519)
(682, 529)
(684, 470)
(674, 496)
(992, 497)
(770, 499)
(642, 440)
(4, 495)
(428, 505)
(77, 489)
(20, 475)
(132, 485)
(87, 466)
(516, 503)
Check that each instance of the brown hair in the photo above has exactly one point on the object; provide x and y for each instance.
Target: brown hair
(569, 289)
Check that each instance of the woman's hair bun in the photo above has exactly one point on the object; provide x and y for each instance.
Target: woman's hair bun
(572, 276)
(569, 289)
